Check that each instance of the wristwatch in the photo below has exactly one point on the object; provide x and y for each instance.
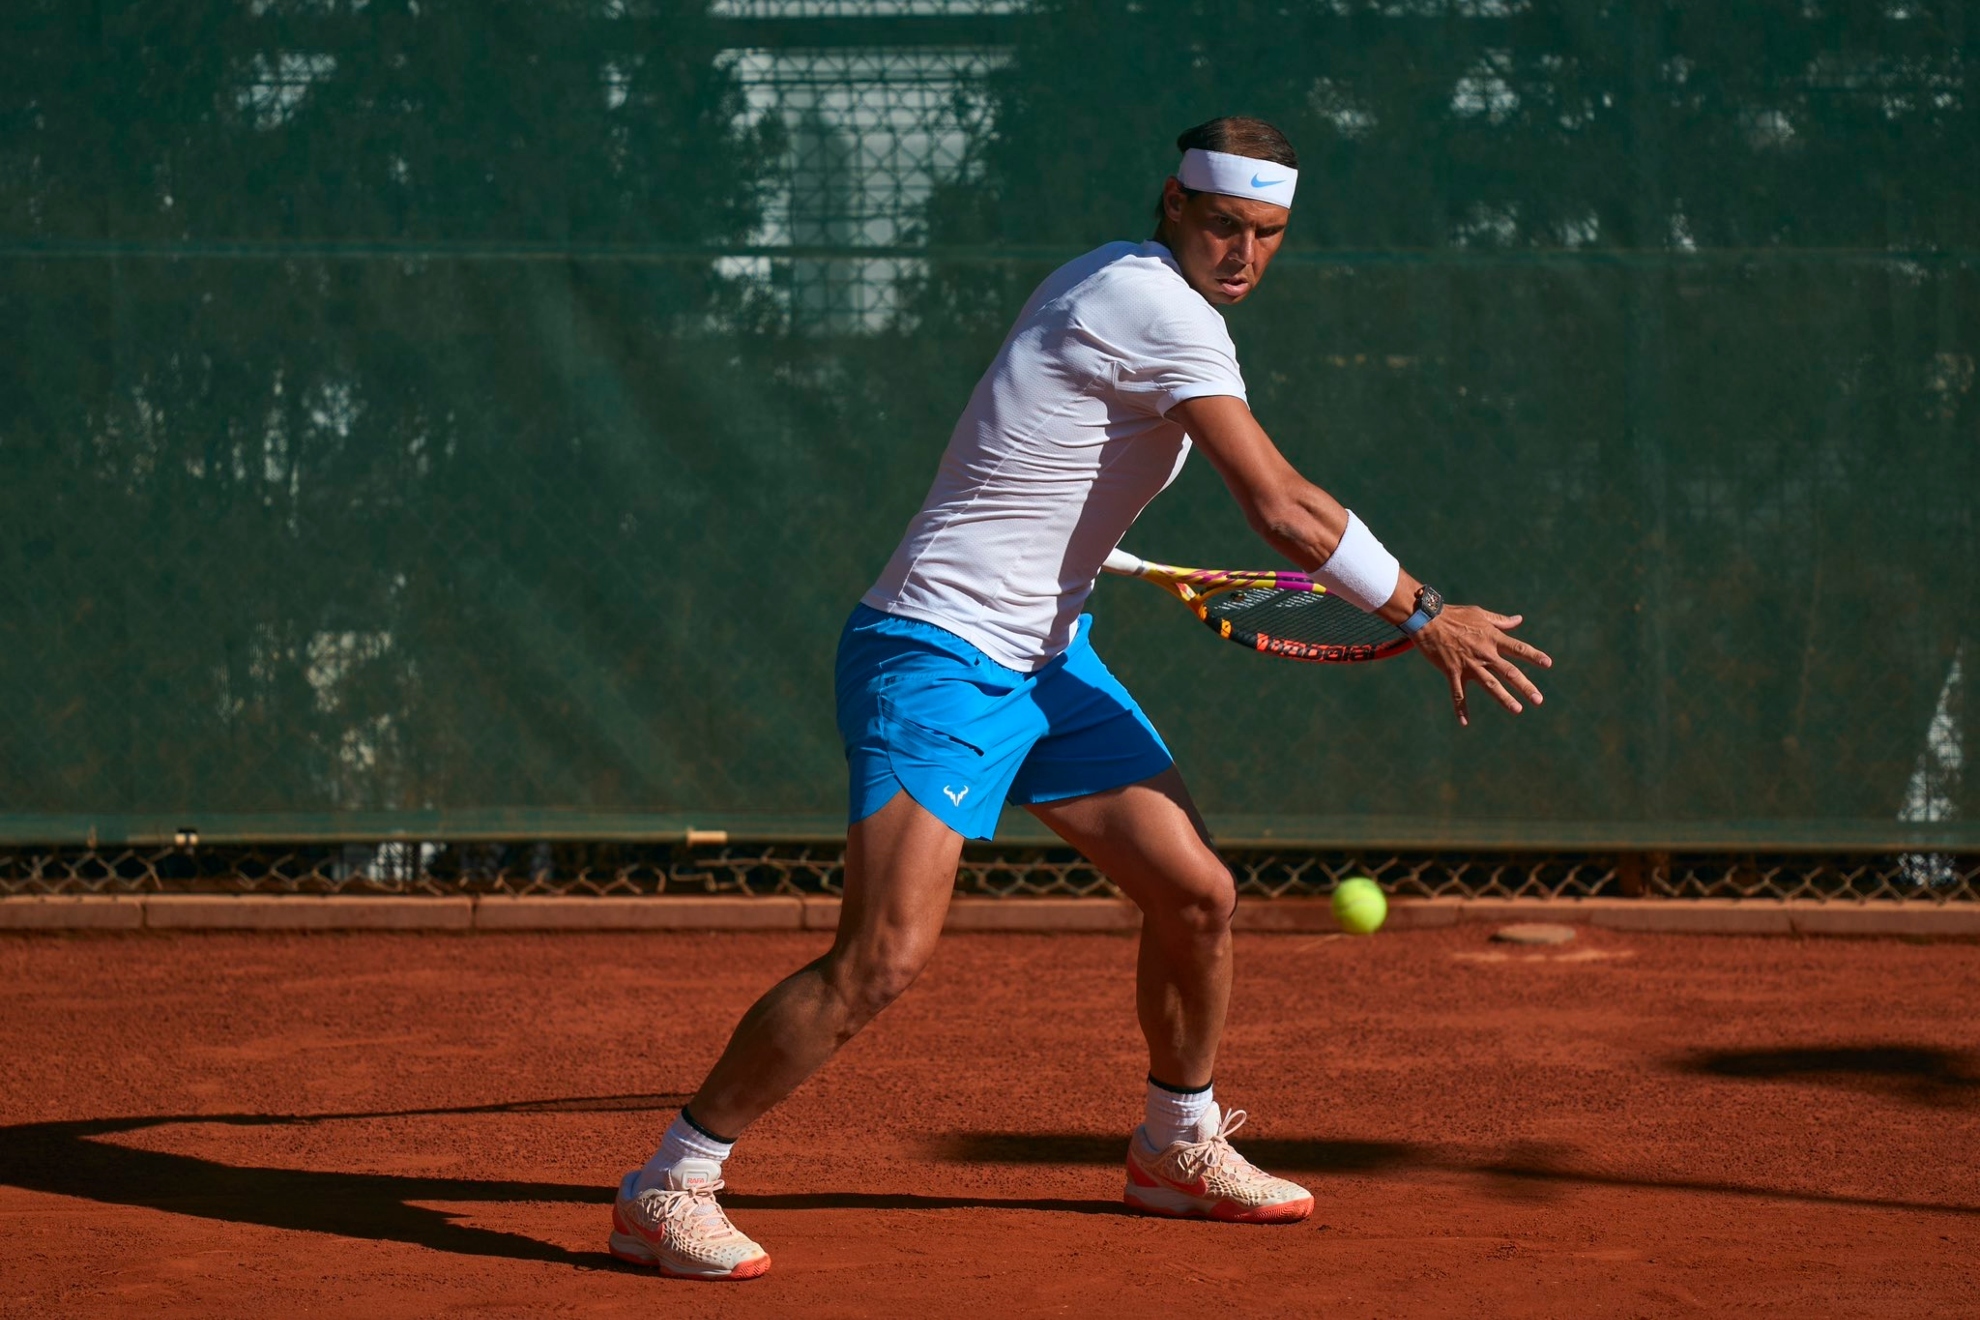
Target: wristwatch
(1428, 606)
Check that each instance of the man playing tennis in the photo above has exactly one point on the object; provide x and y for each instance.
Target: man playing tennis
(967, 679)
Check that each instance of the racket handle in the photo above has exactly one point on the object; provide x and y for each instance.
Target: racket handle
(1120, 561)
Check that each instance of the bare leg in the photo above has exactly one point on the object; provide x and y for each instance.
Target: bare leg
(1148, 839)
(900, 871)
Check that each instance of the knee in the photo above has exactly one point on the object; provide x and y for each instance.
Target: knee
(1202, 907)
(866, 985)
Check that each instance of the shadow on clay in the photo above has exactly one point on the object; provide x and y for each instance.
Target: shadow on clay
(915, 1201)
(75, 1159)
(83, 1159)
(1269, 1153)
(1919, 1074)
(1524, 1171)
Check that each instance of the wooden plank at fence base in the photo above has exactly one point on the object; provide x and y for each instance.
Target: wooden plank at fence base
(502, 912)
(72, 912)
(977, 913)
(1042, 914)
(305, 912)
(1888, 919)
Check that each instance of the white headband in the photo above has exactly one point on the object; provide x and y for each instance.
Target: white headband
(1237, 176)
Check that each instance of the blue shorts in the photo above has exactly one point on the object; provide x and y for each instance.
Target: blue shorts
(921, 709)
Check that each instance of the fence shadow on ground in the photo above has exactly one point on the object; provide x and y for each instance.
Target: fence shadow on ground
(1524, 1171)
(1918, 1074)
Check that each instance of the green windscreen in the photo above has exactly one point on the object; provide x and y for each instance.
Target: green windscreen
(462, 417)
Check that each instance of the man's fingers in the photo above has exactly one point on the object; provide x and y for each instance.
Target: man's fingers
(1519, 650)
(1512, 645)
(1468, 654)
(1487, 680)
(1514, 675)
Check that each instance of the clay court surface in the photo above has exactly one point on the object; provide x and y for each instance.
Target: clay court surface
(386, 1125)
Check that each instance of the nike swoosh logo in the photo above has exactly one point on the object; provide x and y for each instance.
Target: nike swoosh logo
(1257, 182)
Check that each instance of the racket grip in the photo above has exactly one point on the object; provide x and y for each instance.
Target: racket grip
(1120, 561)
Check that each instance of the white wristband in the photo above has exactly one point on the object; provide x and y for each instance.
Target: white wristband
(1360, 571)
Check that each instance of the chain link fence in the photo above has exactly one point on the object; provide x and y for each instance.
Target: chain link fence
(1006, 872)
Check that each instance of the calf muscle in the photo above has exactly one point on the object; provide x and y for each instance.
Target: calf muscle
(1149, 840)
(900, 870)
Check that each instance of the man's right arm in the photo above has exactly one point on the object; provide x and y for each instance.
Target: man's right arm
(1306, 525)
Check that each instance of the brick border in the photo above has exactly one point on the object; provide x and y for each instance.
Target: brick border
(293, 912)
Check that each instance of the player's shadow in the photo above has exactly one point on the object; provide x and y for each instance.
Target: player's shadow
(84, 1159)
(1523, 1171)
(1918, 1074)
(1297, 1155)
(916, 1201)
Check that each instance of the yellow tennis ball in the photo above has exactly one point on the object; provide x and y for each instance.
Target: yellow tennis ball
(1359, 905)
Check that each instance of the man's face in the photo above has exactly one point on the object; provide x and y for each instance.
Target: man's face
(1223, 244)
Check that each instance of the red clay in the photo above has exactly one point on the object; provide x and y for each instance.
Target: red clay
(380, 1125)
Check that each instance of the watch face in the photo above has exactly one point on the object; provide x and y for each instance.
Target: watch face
(1429, 601)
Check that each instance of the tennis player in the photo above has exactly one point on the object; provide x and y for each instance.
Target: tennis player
(967, 679)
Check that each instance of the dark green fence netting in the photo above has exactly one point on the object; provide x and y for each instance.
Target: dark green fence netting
(468, 418)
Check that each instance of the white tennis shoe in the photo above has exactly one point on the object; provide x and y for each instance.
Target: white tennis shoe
(681, 1229)
(1205, 1178)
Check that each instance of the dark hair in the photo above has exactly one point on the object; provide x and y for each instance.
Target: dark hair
(1234, 135)
(1240, 135)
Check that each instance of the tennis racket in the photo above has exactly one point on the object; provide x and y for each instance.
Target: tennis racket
(1285, 614)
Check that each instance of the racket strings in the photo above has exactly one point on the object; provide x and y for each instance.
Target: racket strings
(1299, 616)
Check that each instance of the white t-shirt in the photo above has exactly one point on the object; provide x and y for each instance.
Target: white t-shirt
(1063, 444)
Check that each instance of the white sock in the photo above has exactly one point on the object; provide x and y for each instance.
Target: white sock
(684, 1141)
(1178, 1115)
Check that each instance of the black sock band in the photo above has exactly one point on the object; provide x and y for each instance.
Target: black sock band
(1154, 1081)
(688, 1119)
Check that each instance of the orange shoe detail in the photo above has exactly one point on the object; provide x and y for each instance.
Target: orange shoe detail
(681, 1229)
(1207, 1179)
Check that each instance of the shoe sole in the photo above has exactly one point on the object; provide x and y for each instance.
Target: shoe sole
(632, 1251)
(1181, 1205)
